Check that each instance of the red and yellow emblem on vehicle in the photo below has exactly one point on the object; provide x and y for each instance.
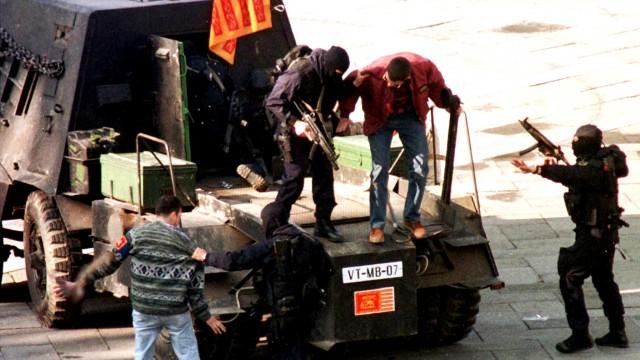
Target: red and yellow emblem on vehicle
(374, 301)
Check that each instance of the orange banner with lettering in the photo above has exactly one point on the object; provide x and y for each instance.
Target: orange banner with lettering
(231, 19)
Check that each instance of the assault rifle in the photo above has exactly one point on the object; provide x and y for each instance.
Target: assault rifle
(544, 145)
(319, 134)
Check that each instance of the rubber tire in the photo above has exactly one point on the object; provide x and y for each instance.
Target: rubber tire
(447, 314)
(1, 259)
(44, 232)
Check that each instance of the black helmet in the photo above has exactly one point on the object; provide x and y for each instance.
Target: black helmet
(586, 141)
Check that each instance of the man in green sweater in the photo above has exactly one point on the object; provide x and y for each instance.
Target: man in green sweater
(165, 282)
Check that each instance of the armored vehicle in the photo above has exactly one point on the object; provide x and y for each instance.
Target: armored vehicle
(104, 105)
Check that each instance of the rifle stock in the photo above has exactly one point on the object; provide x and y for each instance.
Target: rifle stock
(544, 145)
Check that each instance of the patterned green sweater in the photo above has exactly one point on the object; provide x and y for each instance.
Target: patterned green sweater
(164, 278)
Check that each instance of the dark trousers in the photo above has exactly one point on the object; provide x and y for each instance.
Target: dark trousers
(291, 348)
(589, 256)
(288, 330)
(293, 178)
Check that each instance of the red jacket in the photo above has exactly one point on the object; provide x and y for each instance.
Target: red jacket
(426, 82)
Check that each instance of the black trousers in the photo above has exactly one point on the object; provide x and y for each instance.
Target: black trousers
(589, 256)
(293, 178)
(289, 348)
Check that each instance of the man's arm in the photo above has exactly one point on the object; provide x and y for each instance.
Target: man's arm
(108, 262)
(581, 176)
(104, 265)
(247, 258)
(280, 98)
(435, 83)
(199, 307)
(354, 83)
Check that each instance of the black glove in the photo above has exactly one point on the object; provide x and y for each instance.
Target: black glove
(449, 100)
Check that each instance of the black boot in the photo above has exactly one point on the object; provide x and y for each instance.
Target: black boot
(575, 342)
(325, 229)
(614, 338)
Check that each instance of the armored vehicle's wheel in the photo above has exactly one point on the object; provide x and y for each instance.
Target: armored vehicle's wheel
(446, 314)
(49, 254)
(2, 257)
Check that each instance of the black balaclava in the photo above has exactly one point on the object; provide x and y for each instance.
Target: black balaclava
(273, 217)
(336, 58)
(587, 141)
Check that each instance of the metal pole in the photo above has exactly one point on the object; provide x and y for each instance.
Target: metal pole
(434, 148)
(166, 147)
(451, 150)
(473, 164)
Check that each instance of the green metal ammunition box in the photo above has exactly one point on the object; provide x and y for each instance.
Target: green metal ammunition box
(354, 152)
(84, 148)
(120, 173)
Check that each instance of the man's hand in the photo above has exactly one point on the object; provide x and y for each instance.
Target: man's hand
(301, 129)
(524, 168)
(459, 110)
(199, 254)
(359, 78)
(216, 325)
(343, 125)
(72, 291)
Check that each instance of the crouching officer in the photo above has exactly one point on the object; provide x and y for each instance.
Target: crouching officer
(315, 79)
(592, 203)
(293, 270)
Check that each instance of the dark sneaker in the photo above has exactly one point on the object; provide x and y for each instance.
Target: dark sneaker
(575, 343)
(614, 339)
(256, 180)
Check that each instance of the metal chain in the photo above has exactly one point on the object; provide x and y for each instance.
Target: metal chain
(31, 61)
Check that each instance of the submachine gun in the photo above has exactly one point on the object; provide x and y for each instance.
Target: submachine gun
(544, 145)
(319, 134)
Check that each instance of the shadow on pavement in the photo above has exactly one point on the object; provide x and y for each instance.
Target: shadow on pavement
(15, 292)
(98, 310)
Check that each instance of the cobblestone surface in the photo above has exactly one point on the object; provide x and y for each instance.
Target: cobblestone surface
(562, 64)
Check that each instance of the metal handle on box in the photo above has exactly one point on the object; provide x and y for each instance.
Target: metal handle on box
(166, 146)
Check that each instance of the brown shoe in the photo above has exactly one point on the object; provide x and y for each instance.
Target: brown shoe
(418, 231)
(376, 236)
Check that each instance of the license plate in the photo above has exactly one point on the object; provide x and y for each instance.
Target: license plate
(371, 272)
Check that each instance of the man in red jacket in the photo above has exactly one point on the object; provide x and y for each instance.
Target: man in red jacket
(394, 91)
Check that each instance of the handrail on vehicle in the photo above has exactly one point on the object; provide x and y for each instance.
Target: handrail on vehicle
(166, 146)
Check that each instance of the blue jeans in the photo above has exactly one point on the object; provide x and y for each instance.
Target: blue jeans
(413, 136)
(147, 328)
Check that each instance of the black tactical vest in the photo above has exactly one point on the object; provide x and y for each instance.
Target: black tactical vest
(311, 87)
(600, 208)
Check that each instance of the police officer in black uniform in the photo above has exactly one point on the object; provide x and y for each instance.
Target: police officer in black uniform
(592, 203)
(293, 271)
(317, 80)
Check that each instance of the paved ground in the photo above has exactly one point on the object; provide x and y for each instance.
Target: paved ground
(562, 64)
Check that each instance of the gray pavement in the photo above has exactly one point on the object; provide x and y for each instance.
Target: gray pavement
(562, 64)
